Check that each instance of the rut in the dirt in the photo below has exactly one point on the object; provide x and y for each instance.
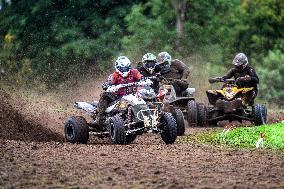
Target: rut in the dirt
(16, 126)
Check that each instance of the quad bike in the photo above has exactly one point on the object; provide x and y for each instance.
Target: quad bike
(126, 118)
(232, 103)
(185, 105)
(176, 111)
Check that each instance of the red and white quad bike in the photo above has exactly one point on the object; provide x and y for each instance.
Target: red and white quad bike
(127, 117)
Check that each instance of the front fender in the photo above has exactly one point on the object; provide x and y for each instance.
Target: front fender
(245, 90)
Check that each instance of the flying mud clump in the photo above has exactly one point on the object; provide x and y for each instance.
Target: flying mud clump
(14, 125)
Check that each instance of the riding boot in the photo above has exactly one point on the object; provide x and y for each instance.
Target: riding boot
(251, 97)
(99, 122)
(101, 115)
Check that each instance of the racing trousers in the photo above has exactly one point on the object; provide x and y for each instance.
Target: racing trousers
(105, 100)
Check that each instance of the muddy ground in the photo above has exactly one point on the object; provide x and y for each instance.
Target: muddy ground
(33, 154)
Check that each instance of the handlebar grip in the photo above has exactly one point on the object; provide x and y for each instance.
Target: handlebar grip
(212, 80)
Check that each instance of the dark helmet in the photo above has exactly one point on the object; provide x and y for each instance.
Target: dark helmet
(240, 61)
(149, 61)
(164, 61)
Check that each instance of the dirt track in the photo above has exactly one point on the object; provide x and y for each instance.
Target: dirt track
(43, 160)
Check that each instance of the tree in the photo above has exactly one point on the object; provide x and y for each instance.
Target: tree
(61, 39)
(260, 27)
(150, 28)
(272, 76)
(180, 10)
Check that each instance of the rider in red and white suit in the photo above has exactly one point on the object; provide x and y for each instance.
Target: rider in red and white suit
(123, 75)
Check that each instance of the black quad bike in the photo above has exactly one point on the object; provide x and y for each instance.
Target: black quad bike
(185, 105)
(126, 118)
(232, 103)
(162, 96)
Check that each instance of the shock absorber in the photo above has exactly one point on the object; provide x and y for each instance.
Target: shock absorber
(129, 114)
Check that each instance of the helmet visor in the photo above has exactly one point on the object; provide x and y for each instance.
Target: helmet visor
(240, 66)
(124, 69)
(150, 64)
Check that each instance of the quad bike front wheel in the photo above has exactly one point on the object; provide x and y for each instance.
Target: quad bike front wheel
(116, 130)
(259, 112)
(192, 113)
(201, 115)
(178, 115)
(169, 128)
(76, 130)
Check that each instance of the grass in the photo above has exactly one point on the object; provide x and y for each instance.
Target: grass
(245, 137)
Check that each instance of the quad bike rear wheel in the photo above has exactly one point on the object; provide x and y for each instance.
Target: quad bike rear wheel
(117, 130)
(259, 112)
(264, 112)
(169, 128)
(192, 113)
(178, 115)
(201, 115)
(76, 130)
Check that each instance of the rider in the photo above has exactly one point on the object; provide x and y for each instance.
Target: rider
(148, 69)
(123, 75)
(173, 69)
(244, 75)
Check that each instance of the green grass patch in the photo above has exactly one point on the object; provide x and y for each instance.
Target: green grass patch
(244, 137)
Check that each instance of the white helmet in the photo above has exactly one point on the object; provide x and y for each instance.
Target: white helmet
(149, 61)
(123, 65)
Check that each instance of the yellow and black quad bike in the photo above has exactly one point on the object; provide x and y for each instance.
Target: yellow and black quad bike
(232, 103)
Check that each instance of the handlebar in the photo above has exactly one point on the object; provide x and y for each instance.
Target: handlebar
(172, 80)
(219, 79)
(158, 77)
(115, 88)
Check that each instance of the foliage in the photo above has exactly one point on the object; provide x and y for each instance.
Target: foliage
(60, 39)
(260, 27)
(273, 87)
(150, 28)
(246, 137)
(53, 41)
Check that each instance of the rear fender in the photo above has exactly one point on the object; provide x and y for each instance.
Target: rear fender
(181, 101)
(87, 107)
(190, 92)
(221, 92)
(245, 90)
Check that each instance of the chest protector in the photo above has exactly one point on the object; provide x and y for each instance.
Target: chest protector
(119, 79)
